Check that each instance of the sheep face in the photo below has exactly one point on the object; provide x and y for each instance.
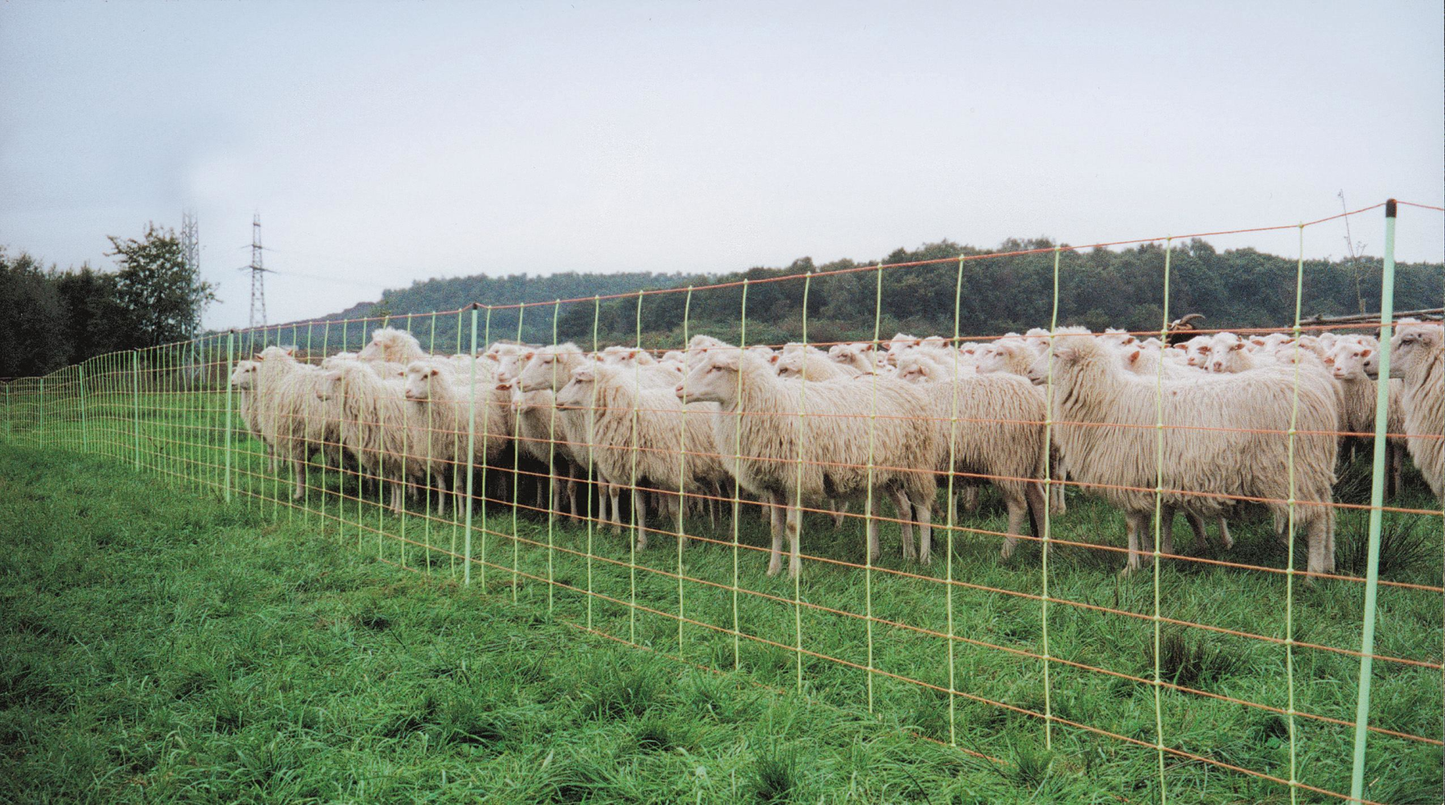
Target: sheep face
(713, 380)
(419, 378)
(329, 386)
(1413, 345)
(1197, 351)
(1227, 354)
(276, 354)
(578, 391)
(912, 369)
(541, 371)
(511, 363)
(997, 357)
(1068, 353)
(244, 375)
(1347, 361)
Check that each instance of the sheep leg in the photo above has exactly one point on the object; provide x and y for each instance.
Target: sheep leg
(1135, 521)
(1057, 505)
(1196, 524)
(874, 552)
(615, 492)
(775, 512)
(1016, 513)
(1319, 545)
(572, 496)
(840, 509)
(794, 528)
(924, 512)
(969, 495)
(1166, 528)
(1224, 538)
(905, 522)
(298, 468)
(639, 514)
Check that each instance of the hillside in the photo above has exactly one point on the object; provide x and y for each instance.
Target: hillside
(1238, 288)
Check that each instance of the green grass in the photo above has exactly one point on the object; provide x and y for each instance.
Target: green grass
(667, 716)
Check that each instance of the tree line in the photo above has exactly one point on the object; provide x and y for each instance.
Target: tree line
(989, 292)
(51, 318)
(54, 318)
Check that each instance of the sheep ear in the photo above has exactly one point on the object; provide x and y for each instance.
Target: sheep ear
(868, 347)
(257, 357)
(433, 373)
(290, 350)
(491, 356)
(1257, 341)
(1236, 346)
(773, 358)
(1366, 352)
(1134, 356)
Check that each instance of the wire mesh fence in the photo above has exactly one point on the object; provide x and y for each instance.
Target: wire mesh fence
(745, 504)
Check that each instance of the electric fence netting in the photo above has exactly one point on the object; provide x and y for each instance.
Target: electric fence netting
(750, 506)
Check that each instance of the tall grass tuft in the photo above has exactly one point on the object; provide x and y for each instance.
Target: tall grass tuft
(1188, 659)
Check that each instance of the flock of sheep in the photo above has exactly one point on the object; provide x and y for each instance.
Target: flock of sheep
(801, 429)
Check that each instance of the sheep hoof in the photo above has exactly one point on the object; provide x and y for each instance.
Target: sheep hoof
(774, 567)
(926, 559)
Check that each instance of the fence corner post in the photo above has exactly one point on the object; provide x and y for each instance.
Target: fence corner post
(230, 367)
(1377, 500)
(84, 433)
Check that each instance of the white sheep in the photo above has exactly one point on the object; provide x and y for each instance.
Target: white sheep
(793, 442)
(461, 407)
(1417, 357)
(1224, 438)
(392, 345)
(1348, 360)
(644, 439)
(990, 430)
(287, 412)
(376, 424)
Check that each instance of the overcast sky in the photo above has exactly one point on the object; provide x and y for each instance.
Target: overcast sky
(384, 143)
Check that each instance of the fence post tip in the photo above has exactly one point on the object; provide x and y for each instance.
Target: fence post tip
(1390, 208)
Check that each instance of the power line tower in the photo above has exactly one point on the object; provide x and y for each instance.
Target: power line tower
(258, 273)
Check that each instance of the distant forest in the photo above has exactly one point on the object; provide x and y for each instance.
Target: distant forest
(1098, 288)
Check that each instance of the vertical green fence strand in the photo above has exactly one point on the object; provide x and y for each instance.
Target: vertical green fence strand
(682, 476)
(870, 512)
(1159, 526)
(471, 451)
(1290, 531)
(1377, 496)
(1048, 545)
(516, 477)
(230, 368)
(951, 513)
(797, 535)
(594, 492)
(737, 487)
(554, 489)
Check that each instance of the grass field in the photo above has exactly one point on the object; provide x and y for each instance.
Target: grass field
(770, 744)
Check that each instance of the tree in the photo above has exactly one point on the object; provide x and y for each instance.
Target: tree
(32, 319)
(95, 323)
(163, 297)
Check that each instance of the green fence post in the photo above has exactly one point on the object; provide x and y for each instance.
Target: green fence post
(471, 448)
(135, 400)
(230, 367)
(40, 416)
(1377, 498)
(84, 435)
